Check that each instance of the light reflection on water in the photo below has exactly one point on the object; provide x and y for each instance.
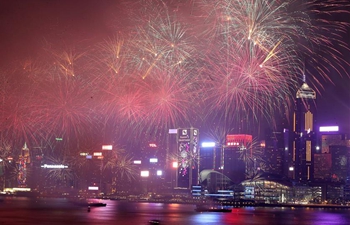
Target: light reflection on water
(23, 211)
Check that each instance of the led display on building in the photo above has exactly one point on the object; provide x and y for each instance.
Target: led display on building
(187, 147)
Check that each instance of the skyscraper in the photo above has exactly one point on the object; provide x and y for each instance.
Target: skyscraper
(322, 167)
(187, 151)
(23, 162)
(337, 144)
(339, 162)
(304, 137)
(209, 158)
(274, 152)
(237, 157)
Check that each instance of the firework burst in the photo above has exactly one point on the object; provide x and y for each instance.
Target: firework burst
(121, 165)
(162, 42)
(113, 54)
(257, 52)
(237, 84)
(63, 175)
(291, 24)
(16, 119)
(66, 60)
(251, 155)
(66, 107)
(123, 101)
(169, 101)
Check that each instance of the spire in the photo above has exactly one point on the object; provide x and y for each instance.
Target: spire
(305, 91)
(25, 146)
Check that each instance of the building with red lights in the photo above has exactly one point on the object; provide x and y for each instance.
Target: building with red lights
(235, 156)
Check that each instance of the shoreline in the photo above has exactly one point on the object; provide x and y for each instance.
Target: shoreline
(241, 204)
(233, 204)
(329, 206)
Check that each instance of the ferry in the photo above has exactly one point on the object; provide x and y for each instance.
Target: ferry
(96, 204)
(206, 208)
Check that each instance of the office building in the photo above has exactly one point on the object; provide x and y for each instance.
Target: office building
(322, 167)
(304, 137)
(340, 164)
(209, 157)
(274, 152)
(187, 151)
(236, 156)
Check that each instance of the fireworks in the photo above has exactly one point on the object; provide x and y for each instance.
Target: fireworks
(184, 63)
(61, 173)
(66, 108)
(120, 164)
(162, 43)
(258, 50)
(17, 122)
(113, 55)
(169, 100)
(290, 25)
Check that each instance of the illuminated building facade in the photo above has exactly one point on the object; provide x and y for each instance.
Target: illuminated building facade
(268, 188)
(304, 139)
(187, 152)
(23, 162)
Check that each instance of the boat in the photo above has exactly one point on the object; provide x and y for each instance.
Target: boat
(89, 203)
(151, 222)
(212, 209)
(96, 204)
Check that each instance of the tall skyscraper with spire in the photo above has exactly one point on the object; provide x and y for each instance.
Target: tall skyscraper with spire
(304, 137)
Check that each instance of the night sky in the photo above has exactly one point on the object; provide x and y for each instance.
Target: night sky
(28, 27)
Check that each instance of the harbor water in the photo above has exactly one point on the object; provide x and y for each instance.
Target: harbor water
(39, 211)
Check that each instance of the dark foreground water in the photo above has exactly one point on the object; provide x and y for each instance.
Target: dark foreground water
(15, 211)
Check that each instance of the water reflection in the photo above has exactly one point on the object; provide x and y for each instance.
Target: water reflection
(320, 217)
(61, 211)
(210, 218)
